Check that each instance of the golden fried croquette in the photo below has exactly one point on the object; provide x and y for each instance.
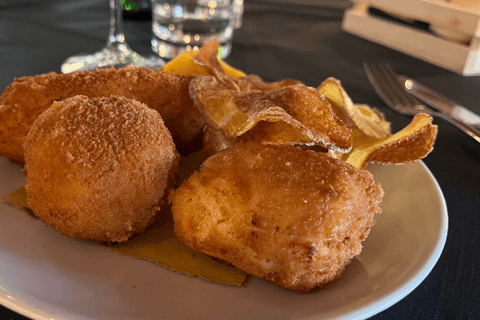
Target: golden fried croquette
(26, 98)
(292, 217)
(99, 168)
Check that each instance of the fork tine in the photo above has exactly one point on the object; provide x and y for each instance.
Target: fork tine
(378, 84)
(404, 97)
(384, 81)
(389, 83)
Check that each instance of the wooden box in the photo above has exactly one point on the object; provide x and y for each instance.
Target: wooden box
(452, 40)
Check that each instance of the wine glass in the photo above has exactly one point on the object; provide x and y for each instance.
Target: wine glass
(116, 52)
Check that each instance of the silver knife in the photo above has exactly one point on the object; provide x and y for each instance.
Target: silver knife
(439, 102)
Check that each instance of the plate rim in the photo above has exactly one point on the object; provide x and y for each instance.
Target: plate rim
(409, 286)
(33, 311)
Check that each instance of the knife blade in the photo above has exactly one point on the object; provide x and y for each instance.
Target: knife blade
(439, 102)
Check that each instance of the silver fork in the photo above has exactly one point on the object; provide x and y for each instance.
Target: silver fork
(384, 80)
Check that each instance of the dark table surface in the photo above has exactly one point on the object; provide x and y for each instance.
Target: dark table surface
(280, 39)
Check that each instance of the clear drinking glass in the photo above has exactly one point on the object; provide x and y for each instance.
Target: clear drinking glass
(116, 52)
(184, 25)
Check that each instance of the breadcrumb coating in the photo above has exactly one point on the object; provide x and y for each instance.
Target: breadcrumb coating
(27, 97)
(98, 169)
(292, 217)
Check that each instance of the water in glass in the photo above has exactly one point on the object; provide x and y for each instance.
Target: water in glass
(180, 25)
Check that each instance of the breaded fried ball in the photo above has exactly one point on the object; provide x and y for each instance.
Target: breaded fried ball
(98, 169)
(292, 217)
(28, 97)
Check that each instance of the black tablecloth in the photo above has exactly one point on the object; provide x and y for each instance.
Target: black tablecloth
(280, 39)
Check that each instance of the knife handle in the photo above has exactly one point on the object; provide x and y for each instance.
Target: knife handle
(459, 116)
(471, 131)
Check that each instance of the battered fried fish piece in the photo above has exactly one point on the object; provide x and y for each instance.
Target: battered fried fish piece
(26, 98)
(98, 169)
(292, 217)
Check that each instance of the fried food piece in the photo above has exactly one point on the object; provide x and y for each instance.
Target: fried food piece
(215, 141)
(369, 121)
(292, 217)
(202, 62)
(412, 143)
(265, 132)
(98, 169)
(296, 113)
(26, 98)
(372, 138)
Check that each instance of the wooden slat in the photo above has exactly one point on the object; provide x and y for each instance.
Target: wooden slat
(423, 45)
(473, 63)
(441, 13)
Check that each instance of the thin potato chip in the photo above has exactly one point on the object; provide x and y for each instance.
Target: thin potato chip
(214, 140)
(255, 83)
(412, 143)
(279, 132)
(369, 121)
(201, 62)
(208, 58)
(235, 106)
(183, 65)
(205, 62)
(360, 140)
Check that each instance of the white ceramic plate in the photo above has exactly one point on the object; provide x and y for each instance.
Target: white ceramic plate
(45, 275)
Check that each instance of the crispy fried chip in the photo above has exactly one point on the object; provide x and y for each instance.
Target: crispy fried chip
(369, 121)
(269, 126)
(412, 143)
(215, 140)
(296, 114)
(360, 140)
(201, 62)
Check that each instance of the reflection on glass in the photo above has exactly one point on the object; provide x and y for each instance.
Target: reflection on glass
(116, 52)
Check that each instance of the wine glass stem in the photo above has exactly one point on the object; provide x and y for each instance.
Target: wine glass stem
(116, 35)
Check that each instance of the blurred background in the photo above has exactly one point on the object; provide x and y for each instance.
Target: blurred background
(300, 39)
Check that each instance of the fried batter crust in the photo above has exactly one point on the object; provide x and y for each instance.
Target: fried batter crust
(292, 217)
(26, 98)
(98, 169)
